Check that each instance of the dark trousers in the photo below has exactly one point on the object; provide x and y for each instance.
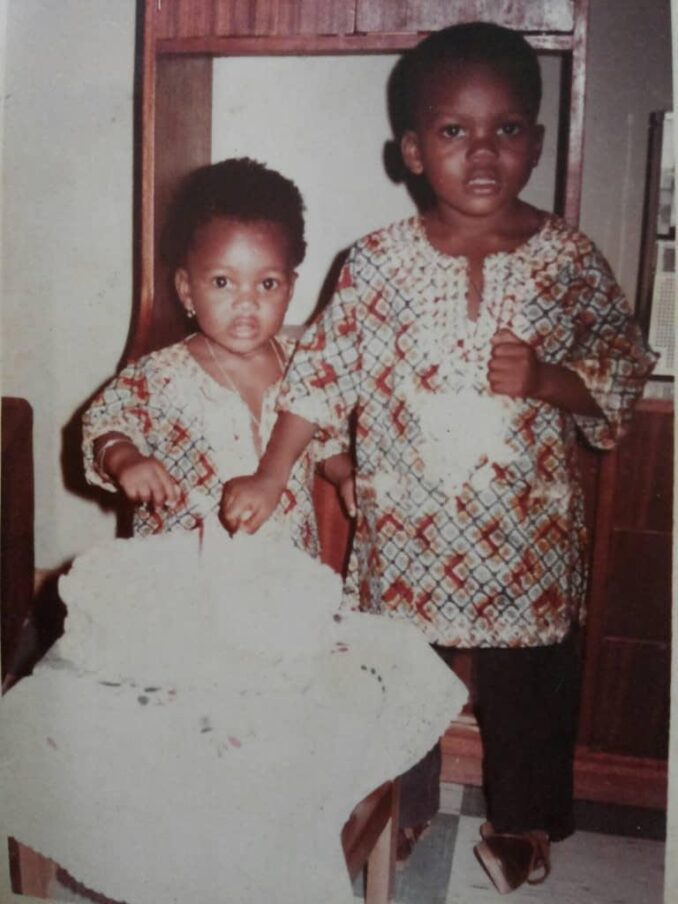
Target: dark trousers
(526, 705)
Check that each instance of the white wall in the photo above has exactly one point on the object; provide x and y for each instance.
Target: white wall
(67, 219)
(67, 185)
(629, 75)
(3, 94)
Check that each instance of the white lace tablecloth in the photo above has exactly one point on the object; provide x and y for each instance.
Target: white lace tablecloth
(207, 723)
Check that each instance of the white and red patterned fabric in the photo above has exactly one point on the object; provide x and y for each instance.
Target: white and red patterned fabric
(201, 432)
(470, 506)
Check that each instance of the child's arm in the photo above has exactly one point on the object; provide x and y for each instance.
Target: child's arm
(319, 393)
(116, 431)
(247, 502)
(338, 469)
(515, 370)
(141, 478)
(604, 371)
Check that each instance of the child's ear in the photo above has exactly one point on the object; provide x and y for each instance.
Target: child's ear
(183, 286)
(409, 148)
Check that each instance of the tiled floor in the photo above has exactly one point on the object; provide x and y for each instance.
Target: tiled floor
(615, 857)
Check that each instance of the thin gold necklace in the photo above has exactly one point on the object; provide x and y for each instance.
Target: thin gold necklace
(230, 382)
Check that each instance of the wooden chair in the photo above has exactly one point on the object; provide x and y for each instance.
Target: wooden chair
(369, 841)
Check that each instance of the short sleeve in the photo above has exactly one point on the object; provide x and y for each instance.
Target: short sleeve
(609, 352)
(321, 382)
(120, 407)
(325, 444)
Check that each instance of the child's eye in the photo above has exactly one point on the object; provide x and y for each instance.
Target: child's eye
(220, 282)
(270, 283)
(511, 129)
(451, 131)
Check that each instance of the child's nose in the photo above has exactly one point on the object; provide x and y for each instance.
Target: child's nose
(483, 143)
(247, 297)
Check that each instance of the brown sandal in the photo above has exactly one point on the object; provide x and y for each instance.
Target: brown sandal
(512, 859)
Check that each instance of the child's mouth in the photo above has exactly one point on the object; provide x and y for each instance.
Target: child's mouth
(244, 328)
(483, 185)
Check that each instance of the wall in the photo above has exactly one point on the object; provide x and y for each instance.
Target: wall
(3, 95)
(67, 185)
(67, 222)
(629, 75)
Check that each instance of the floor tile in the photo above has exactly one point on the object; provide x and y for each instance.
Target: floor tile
(473, 801)
(588, 867)
(451, 797)
(426, 876)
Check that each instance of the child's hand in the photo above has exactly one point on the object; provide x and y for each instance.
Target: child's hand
(338, 469)
(247, 502)
(146, 480)
(346, 491)
(514, 369)
(140, 477)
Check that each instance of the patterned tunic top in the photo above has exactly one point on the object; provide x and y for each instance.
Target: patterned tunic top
(470, 506)
(201, 432)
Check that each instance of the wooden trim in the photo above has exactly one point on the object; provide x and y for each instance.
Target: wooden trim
(575, 150)
(648, 235)
(601, 777)
(520, 15)
(628, 781)
(593, 632)
(318, 45)
(462, 753)
(143, 314)
(656, 406)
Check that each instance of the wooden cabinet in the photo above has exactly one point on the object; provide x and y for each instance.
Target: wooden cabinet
(408, 16)
(625, 707)
(218, 18)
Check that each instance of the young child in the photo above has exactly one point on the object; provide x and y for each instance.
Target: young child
(172, 426)
(471, 344)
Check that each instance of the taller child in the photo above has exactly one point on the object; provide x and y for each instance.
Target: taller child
(470, 344)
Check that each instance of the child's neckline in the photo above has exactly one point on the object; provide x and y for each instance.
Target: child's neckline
(210, 380)
(211, 385)
(419, 228)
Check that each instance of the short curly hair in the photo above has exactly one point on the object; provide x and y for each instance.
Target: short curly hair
(502, 49)
(240, 189)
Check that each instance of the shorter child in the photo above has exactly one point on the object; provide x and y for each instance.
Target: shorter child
(174, 425)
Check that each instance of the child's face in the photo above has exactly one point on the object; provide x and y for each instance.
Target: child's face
(238, 281)
(474, 140)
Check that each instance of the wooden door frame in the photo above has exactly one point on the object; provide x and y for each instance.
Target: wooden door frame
(165, 57)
